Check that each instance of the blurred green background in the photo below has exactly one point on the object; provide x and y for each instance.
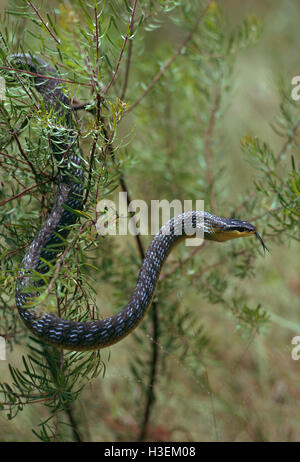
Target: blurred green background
(255, 384)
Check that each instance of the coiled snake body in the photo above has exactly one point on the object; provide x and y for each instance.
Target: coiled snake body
(48, 242)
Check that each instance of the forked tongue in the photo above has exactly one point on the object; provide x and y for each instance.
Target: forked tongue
(261, 241)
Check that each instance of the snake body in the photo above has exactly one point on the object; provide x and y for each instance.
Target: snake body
(49, 240)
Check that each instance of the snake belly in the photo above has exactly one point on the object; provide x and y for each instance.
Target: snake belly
(48, 242)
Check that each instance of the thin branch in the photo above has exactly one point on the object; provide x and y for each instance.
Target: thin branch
(137, 236)
(15, 177)
(289, 142)
(129, 33)
(273, 210)
(76, 433)
(153, 372)
(208, 150)
(14, 158)
(182, 262)
(25, 191)
(43, 22)
(93, 149)
(24, 155)
(18, 131)
(171, 60)
(44, 76)
(286, 146)
(97, 38)
(217, 263)
(30, 96)
(245, 202)
(13, 252)
(63, 256)
(126, 75)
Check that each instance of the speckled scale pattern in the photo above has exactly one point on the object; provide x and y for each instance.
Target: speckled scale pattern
(48, 327)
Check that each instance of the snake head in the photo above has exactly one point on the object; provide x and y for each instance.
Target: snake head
(224, 229)
(239, 228)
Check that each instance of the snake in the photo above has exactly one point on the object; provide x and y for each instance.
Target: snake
(50, 239)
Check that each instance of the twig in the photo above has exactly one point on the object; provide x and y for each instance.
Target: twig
(137, 236)
(93, 149)
(12, 174)
(24, 87)
(217, 263)
(18, 131)
(22, 193)
(212, 405)
(13, 158)
(43, 22)
(22, 152)
(182, 262)
(171, 60)
(97, 39)
(123, 48)
(245, 202)
(63, 256)
(288, 143)
(44, 76)
(208, 150)
(76, 433)
(273, 210)
(126, 75)
(281, 153)
(153, 373)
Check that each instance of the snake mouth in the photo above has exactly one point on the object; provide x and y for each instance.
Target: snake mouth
(225, 229)
(242, 229)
